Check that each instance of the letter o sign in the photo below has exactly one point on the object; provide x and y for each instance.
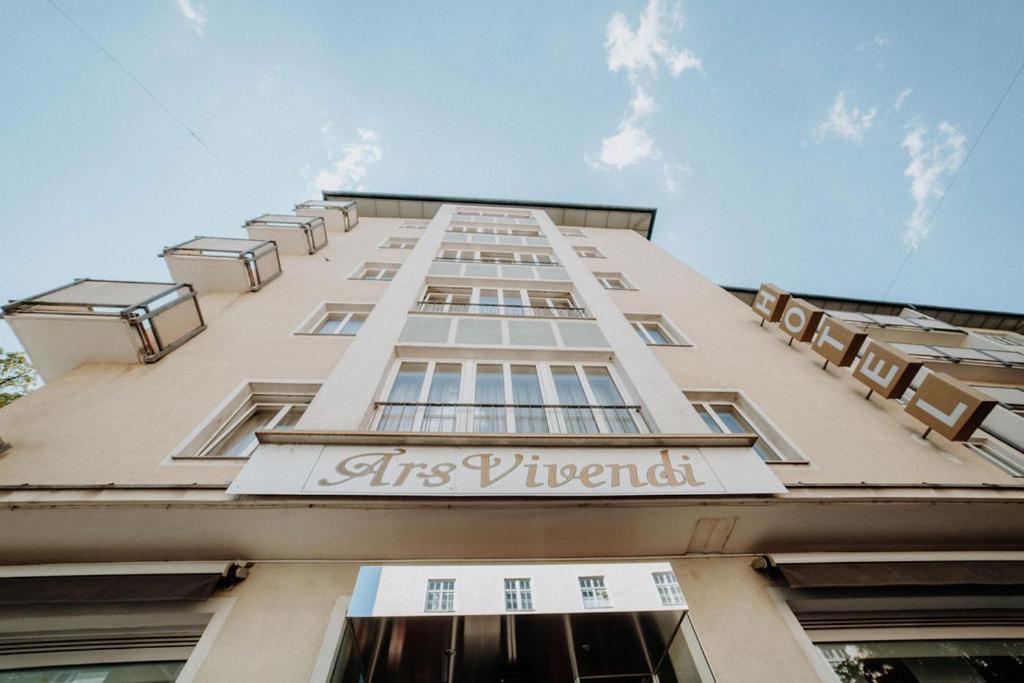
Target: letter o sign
(800, 320)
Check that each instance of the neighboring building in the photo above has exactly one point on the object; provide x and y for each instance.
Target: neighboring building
(403, 438)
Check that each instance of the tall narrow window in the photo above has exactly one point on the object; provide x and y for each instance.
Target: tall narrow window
(668, 588)
(579, 419)
(594, 592)
(444, 389)
(242, 439)
(526, 394)
(440, 595)
(606, 394)
(489, 301)
(518, 597)
(490, 389)
(400, 415)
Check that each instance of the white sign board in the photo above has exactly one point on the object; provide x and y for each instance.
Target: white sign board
(507, 471)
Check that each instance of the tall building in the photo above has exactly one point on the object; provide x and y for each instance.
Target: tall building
(401, 438)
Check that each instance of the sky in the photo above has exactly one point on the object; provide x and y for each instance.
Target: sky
(806, 144)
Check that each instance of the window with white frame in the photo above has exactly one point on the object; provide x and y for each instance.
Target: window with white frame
(414, 224)
(493, 230)
(506, 397)
(1005, 339)
(588, 252)
(518, 597)
(336, 319)
(495, 256)
(440, 595)
(231, 431)
(571, 232)
(377, 271)
(594, 592)
(399, 243)
(614, 281)
(484, 215)
(504, 301)
(668, 588)
(655, 330)
(728, 412)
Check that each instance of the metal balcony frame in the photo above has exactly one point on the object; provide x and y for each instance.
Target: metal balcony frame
(947, 358)
(136, 314)
(247, 257)
(512, 262)
(576, 312)
(307, 224)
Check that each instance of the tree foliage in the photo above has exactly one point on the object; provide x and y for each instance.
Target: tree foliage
(16, 376)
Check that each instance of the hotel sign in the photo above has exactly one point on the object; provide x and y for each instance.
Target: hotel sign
(306, 469)
(950, 408)
(943, 404)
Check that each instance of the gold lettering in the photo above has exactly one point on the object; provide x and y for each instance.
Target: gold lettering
(406, 468)
(531, 473)
(361, 469)
(568, 472)
(634, 476)
(691, 478)
(664, 474)
(587, 472)
(486, 463)
(441, 472)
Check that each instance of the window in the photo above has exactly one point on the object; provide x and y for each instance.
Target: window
(571, 232)
(493, 230)
(613, 281)
(518, 597)
(729, 412)
(506, 397)
(595, 595)
(377, 271)
(507, 302)
(655, 330)
(1008, 339)
(668, 588)
(231, 431)
(588, 252)
(344, 319)
(399, 243)
(414, 225)
(490, 256)
(926, 660)
(440, 595)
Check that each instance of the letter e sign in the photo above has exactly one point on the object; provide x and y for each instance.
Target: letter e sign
(949, 407)
(885, 370)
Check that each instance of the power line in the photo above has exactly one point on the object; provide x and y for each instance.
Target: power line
(163, 106)
(952, 180)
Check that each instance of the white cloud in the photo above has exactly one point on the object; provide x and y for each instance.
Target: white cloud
(641, 50)
(882, 41)
(934, 157)
(848, 124)
(348, 171)
(672, 173)
(194, 15)
(903, 95)
(640, 53)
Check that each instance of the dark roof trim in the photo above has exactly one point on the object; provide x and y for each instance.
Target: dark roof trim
(995, 320)
(446, 199)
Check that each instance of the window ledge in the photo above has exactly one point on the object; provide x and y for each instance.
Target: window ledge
(503, 317)
(681, 346)
(509, 439)
(786, 462)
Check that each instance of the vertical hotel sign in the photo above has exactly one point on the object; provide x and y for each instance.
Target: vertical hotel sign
(942, 404)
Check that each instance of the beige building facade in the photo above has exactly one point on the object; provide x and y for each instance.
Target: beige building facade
(407, 438)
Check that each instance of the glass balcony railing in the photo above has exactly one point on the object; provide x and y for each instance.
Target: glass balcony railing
(507, 418)
(502, 309)
(969, 356)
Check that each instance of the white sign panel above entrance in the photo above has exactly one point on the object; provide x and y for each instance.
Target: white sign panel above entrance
(277, 469)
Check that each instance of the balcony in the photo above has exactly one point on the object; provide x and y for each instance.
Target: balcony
(902, 328)
(517, 311)
(297, 235)
(104, 321)
(970, 363)
(223, 264)
(496, 260)
(341, 216)
(507, 418)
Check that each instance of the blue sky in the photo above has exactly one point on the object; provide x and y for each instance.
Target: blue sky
(802, 143)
